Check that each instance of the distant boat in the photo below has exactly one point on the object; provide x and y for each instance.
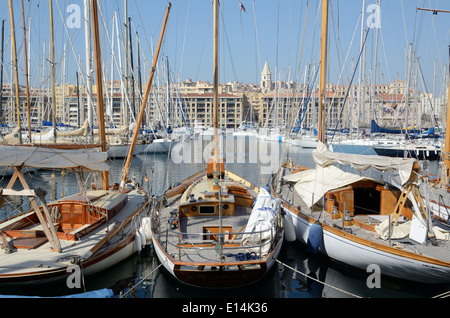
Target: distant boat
(420, 152)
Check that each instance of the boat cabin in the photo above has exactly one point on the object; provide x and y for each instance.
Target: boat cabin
(365, 197)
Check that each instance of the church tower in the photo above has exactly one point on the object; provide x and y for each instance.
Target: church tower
(266, 78)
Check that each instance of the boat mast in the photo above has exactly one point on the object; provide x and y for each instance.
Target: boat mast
(26, 72)
(87, 34)
(447, 128)
(216, 88)
(144, 101)
(16, 72)
(1, 72)
(99, 79)
(52, 61)
(323, 68)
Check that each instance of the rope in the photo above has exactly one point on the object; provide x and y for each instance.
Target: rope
(443, 295)
(318, 281)
(142, 280)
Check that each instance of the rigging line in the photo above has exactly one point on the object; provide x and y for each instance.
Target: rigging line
(203, 45)
(184, 39)
(228, 45)
(257, 52)
(351, 81)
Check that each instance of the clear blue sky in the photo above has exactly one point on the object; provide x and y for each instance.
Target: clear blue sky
(270, 29)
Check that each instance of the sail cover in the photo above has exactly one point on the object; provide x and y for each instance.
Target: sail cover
(50, 158)
(323, 157)
(311, 185)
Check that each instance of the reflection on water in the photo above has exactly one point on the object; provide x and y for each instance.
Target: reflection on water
(141, 276)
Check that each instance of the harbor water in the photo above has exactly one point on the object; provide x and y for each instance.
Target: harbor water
(297, 274)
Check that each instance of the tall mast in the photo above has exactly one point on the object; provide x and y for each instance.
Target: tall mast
(144, 101)
(99, 79)
(216, 87)
(26, 72)
(125, 106)
(16, 71)
(87, 25)
(132, 69)
(323, 68)
(52, 61)
(1, 72)
(447, 127)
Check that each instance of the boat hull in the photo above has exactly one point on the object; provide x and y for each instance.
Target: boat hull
(347, 249)
(425, 154)
(218, 278)
(159, 146)
(121, 151)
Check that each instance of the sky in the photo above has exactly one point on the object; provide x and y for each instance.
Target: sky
(286, 33)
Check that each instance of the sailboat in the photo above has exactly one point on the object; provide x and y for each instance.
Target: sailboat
(206, 231)
(90, 230)
(361, 221)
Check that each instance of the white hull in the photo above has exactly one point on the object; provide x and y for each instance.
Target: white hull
(121, 151)
(159, 146)
(304, 143)
(361, 256)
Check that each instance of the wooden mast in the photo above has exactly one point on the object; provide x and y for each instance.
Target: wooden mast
(216, 88)
(26, 72)
(99, 79)
(16, 72)
(144, 101)
(323, 69)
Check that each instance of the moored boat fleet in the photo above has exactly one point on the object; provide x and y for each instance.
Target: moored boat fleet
(216, 229)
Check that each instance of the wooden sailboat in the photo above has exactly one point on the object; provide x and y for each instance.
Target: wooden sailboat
(93, 229)
(361, 221)
(205, 231)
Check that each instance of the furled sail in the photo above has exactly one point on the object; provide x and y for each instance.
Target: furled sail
(50, 158)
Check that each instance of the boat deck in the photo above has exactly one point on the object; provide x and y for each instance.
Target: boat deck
(42, 258)
(364, 221)
(197, 247)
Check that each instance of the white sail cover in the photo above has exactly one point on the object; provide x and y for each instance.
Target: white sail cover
(49, 158)
(323, 157)
(261, 220)
(311, 185)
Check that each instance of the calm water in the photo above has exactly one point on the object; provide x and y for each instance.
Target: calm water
(141, 277)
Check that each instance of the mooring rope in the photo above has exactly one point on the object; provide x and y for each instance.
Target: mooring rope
(142, 280)
(443, 295)
(318, 281)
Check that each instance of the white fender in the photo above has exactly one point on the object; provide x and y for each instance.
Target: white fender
(147, 229)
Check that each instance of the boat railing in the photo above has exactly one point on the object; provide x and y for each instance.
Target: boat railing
(215, 246)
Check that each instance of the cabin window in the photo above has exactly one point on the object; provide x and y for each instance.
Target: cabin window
(207, 209)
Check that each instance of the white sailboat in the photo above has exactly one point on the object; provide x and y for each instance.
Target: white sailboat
(361, 221)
